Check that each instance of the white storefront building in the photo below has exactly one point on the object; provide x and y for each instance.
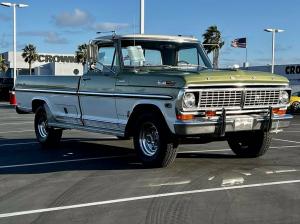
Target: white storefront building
(46, 64)
(291, 71)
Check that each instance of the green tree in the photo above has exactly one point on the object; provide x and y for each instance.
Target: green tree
(213, 43)
(30, 55)
(81, 54)
(3, 64)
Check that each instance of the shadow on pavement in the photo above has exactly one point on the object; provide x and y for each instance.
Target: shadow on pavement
(110, 155)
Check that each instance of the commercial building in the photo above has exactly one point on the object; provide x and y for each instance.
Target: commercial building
(46, 64)
(291, 71)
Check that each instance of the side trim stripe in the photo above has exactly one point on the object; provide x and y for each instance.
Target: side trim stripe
(84, 93)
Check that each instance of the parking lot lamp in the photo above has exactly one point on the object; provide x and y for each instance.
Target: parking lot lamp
(273, 31)
(14, 5)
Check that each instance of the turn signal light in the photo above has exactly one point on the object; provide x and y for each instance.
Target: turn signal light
(185, 117)
(279, 111)
(210, 113)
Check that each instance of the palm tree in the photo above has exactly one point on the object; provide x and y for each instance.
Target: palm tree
(3, 64)
(30, 55)
(213, 43)
(81, 54)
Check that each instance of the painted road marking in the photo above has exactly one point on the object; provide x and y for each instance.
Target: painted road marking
(170, 183)
(146, 197)
(61, 161)
(26, 122)
(284, 140)
(21, 131)
(209, 150)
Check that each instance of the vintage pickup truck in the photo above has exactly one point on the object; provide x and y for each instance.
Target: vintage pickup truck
(162, 91)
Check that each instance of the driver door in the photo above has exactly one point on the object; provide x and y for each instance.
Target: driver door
(97, 90)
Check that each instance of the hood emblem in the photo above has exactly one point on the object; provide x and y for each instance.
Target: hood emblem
(166, 83)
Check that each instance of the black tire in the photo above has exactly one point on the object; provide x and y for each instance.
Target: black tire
(46, 136)
(250, 144)
(151, 130)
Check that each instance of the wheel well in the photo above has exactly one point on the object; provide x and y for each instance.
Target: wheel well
(36, 104)
(137, 111)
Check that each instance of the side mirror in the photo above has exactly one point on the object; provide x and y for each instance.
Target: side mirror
(92, 53)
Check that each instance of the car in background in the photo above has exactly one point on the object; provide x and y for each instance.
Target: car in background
(295, 102)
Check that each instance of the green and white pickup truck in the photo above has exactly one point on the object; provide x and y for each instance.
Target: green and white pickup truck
(162, 91)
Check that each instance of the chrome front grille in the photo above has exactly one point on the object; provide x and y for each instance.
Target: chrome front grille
(261, 98)
(220, 99)
(236, 99)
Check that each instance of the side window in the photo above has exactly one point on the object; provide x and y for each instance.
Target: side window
(152, 57)
(107, 57)
(188, 56)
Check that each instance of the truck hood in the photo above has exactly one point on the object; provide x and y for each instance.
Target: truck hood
(234, 77)
(180, 79)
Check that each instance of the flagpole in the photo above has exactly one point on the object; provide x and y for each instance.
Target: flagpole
(246, 55)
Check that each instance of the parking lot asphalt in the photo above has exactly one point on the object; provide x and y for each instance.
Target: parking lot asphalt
(94, 178)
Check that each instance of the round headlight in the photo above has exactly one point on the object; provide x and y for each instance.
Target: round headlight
(284, 97)
(189, 100)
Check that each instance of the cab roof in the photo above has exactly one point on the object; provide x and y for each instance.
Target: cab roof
(148, 37)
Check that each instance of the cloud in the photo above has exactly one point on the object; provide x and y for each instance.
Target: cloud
(80, 19)
(107, 26)
(54, 38)
(73, 19)
(49, 37)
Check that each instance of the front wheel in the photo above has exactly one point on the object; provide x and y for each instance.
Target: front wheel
(250, 144)
(47, 136)
(153, 141)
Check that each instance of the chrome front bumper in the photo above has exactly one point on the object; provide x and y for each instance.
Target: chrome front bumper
(221, 125)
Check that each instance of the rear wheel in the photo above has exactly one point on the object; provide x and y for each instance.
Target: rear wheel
(47, 136)
(250, 144)
(153, 141)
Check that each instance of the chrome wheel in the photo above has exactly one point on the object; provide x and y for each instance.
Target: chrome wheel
(43, 128)
(149, 139)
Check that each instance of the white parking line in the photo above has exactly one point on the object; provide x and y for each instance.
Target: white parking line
(284, 140)
(21, 131)
(61, 161)
(209, 150)
(287, 146)
(145, 197)
(26, 122)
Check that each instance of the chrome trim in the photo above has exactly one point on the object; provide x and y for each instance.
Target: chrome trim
(126, 95)
(240, 101)
(47, 91)
(239, 84)
(84, 93)
(84, 128)
(212, 126)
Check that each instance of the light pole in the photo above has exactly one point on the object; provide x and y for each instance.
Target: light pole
(273, 31)
(142, 16)
(14, 5)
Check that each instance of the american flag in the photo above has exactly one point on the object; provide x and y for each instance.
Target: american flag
(239, 43)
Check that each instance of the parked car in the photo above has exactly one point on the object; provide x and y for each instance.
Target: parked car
(295, 102)
(160, 90)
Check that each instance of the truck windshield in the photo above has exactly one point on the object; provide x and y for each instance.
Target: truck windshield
(164, 54)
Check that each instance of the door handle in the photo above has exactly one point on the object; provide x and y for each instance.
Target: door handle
(86, 79)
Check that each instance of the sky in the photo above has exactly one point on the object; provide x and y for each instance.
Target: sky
(60, 26)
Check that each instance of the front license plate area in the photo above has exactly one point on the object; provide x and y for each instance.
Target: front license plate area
(243, 124)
